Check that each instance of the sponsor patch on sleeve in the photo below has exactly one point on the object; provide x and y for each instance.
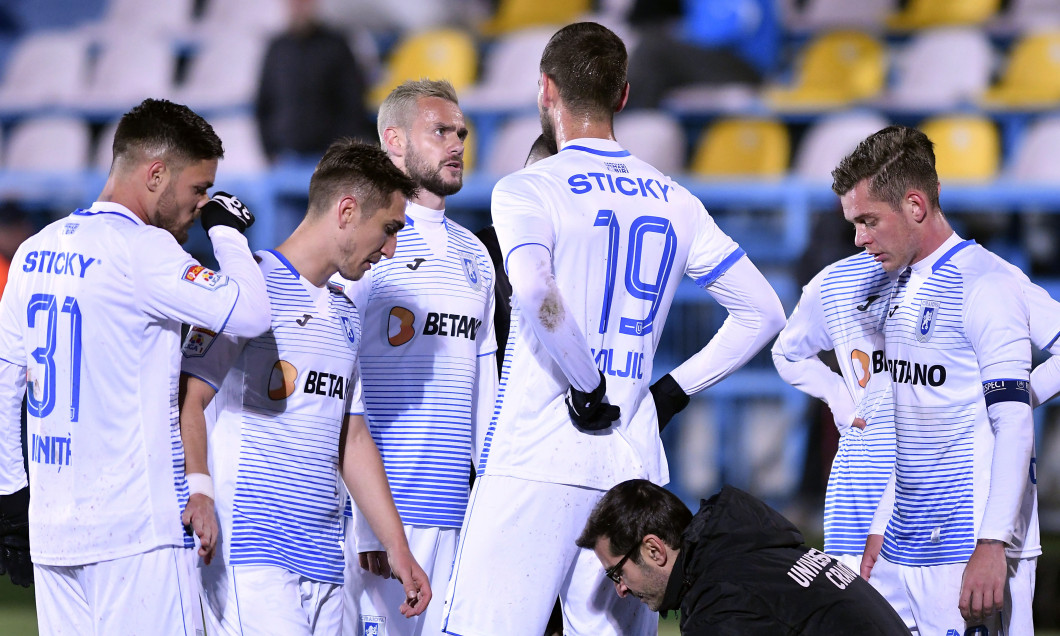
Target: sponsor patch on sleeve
(203, 277)
(198, 342)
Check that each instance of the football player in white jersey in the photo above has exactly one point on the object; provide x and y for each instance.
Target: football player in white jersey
(953, 542)
(90, 323)
(428, 363)
(595, 242)
(289, 425)
(842, 309)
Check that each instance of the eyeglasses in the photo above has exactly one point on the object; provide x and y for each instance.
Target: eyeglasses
(615, 572)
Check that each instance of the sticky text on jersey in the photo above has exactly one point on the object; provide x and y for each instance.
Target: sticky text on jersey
(48, 262)
(906, 372)
(648, 188)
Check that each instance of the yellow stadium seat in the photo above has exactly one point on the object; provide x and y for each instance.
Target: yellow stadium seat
(438, 54)
(837, 68)
(520, 14)
(919, 14)
(1032, 75)
(744, 148)
(967, 147)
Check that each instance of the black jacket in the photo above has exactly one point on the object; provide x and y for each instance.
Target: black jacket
(744, 571)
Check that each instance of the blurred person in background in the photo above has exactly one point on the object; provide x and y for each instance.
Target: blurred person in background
(15, 227)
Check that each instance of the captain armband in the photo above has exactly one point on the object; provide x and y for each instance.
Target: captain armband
(1007, 391)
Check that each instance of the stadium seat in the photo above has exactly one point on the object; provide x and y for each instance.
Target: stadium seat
(967, 147)
(1021, 16)
(837, 69)
(46, 69)
(919, 14)
(244, 154)
(48, 144)
(653, 136)
(1037, 155)
(941, 69)
(172, 18)
(224, 72)
(1032, 75)
(816, 15)
(511, 145)
(438, 54)
(512, 15)
(128, 70)
(261, 17)
(509, 76)
(830, 139)
(742, 148)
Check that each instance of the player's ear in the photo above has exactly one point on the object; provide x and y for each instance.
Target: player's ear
(156, 175)
(916, 202)
(394, 140)
(549, 91)
(347, 210)
(655, 550)
(622, 101)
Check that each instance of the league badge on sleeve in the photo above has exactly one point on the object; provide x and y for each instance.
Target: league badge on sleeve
(470, 265)
(929, 315)
(206, 278)
(198, 342)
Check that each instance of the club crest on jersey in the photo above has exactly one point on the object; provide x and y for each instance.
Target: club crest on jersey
(206, 278)
(929, 315)
(198, 342)
(350, 331)
(373, 625)
(470, 265)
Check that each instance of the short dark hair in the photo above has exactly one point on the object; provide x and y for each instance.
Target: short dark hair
(588, 63)
(159, 128)
(632, 510)
(894, 160)
(361, 169)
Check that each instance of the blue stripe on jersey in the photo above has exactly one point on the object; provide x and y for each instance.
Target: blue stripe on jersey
(84, 212)
(602, 153)
(945, 258)
(722, 267)
(180, 484)
(517, 247)
(286, 263)
(502, 389)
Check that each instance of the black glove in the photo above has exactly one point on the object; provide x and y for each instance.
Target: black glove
(670, 399)
(590, 411)
(14, 538)
(225, 209)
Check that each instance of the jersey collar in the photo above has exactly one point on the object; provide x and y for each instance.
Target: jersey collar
(596, 146)
(938, 258)
(109, 207)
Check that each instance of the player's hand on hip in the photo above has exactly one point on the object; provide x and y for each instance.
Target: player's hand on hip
(14, 538)
(375, 562)
(225, 209)
(873, 544)
(413, 579)
(983, 584)
(200, 519)
(591, 411)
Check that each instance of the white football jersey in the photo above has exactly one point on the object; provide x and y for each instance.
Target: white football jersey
(621, 234)
(280, 404)
(93, 309)
(427, 316)
(842, 309)
(936, 343)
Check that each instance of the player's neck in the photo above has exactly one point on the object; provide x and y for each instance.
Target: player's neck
(429, 200)
(307, 254)
(569, 127)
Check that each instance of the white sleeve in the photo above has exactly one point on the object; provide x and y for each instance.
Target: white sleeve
(170, 284)
(485, 394)
(996, 324)
(12, 388)
(884, 509)
(209, 356)
(251, 315)
(1045, 333)
(795, 357)
(546, 312)
(755, 317)
(1045, 381)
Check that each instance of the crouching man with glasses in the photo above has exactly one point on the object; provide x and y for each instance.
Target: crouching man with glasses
(736, 567)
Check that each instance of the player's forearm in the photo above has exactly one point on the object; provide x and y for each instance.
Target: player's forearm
(814, 378)
(548, 316)
(882, 516)
(365, 479)
(251, 315)
(1009, 468)
(12, 389)
(755, 317)
(1045, 381)
(193, 426)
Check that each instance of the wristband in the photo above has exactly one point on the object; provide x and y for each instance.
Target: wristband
(199, 484)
